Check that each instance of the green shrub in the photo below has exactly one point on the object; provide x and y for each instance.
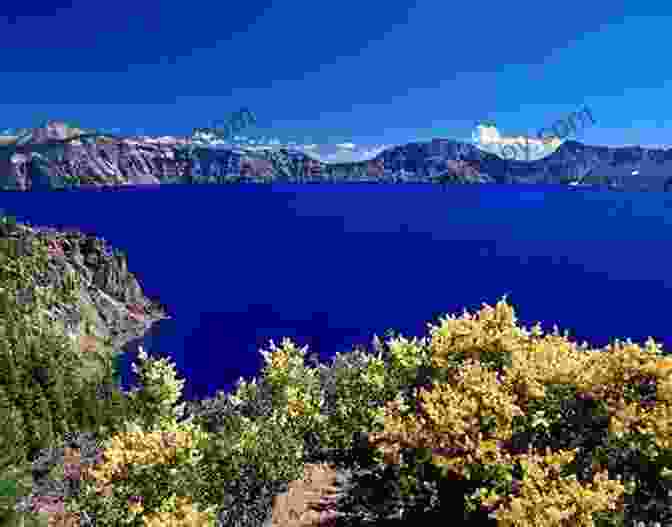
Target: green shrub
(487, 423)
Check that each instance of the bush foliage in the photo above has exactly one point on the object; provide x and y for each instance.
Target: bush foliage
(510, 425)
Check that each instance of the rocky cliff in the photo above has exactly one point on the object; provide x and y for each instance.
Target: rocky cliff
(55, 159)
(74, 283)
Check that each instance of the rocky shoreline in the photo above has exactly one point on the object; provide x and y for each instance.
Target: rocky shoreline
(111, 310)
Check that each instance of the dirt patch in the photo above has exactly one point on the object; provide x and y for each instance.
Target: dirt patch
(309, 501)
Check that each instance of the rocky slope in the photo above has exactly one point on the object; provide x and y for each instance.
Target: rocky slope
(52, 158)
(110, 309)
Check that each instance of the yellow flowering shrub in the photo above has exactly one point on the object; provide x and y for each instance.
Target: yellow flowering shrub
(182, 513)
(608, 371)
(656, 421)
(301, 401)
(146, 467)
(493, 371)
(358, 380)
(155, 404)
(145, 472)
(490, 331)
(297, 385)
(454, 415)
(489, 377)
(547, 499)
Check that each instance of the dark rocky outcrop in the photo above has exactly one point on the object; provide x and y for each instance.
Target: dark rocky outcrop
(57, 158)
(110, 304)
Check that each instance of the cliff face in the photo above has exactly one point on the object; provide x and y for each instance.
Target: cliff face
(55, 160)
(105, 308)
(625, 168)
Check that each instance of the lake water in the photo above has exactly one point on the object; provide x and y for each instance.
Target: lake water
(330, 265)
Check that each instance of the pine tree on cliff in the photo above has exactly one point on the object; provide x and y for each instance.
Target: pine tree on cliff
(12, 437)
(114, 405)
(15, 381)
(41, 376)
(9, 375)
(82, 413)
(45, 424)
(55, 392)
(101, 413)
(23, 378)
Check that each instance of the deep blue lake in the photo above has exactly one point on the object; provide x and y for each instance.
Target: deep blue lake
(330, 265)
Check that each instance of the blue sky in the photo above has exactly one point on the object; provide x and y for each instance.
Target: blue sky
(322, 72)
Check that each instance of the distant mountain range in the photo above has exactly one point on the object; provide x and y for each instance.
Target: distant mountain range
(54, 157)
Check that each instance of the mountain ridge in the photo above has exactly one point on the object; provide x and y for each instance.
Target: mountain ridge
(54, 158)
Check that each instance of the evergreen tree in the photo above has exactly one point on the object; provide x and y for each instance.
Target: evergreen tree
(55, 392)
(80, 416)
(110, 403)
(117, 404)
(35, 438)
(21, 392)
(12, 438)
(44, 419)
(96, 407)
(116, 369)
(90, 411)
(35, 406)
(12, 391)
(9, 374)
